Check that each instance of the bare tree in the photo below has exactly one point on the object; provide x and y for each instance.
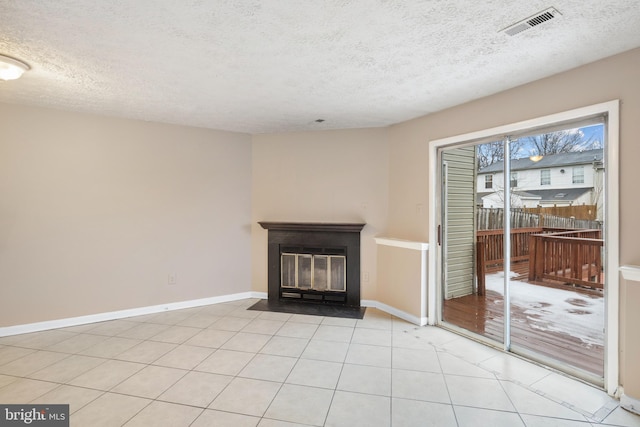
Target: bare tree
(545, 144)
(493, 152)
(563, 141)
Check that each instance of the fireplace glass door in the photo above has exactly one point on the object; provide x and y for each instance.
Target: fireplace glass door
(315, 272)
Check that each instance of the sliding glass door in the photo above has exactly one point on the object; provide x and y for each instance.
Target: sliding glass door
(522, 244)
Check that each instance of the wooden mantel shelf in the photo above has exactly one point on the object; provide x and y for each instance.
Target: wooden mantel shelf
(347, 227)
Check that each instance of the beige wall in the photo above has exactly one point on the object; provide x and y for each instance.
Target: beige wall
(612, 78)
(96, 212)
(332, 176)
(400, 275)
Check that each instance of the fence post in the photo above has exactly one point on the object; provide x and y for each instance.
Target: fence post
(480, 266)
(532, 256)
(536, 257)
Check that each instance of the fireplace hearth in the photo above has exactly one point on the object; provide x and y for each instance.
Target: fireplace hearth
(314, 262)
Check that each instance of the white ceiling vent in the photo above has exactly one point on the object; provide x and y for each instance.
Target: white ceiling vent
(532, 21)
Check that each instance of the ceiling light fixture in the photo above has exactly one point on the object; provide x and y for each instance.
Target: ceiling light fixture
(536, 158)
(11, 68)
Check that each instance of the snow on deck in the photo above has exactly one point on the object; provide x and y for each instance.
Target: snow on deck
(557, 310)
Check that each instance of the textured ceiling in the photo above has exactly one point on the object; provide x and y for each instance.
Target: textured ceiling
(278, 65)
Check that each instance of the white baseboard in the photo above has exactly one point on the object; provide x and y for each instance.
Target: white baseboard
(630, 404)
(120, 314)
(420, 321)
(260, 295)
(139, 311)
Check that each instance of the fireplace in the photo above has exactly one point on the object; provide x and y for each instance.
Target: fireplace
(314, 262)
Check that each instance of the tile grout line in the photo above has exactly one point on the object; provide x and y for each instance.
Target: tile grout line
(597, 417)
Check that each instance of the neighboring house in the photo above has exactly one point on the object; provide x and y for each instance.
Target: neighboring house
(564, 179)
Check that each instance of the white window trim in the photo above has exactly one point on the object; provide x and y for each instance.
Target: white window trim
(612, 156)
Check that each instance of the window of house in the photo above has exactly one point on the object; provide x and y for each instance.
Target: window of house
(545, 177)
(488, 181)
(514, 179)
(578, 175)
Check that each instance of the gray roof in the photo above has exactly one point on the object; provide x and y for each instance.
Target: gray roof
(560, 194)
(524, 194)
(551, 195)
(550, 161)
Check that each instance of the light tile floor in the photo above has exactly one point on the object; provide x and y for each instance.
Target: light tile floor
(223, 365)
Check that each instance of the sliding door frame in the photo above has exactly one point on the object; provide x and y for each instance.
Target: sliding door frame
(611, 215)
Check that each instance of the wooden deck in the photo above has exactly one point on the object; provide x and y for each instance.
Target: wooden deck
(564, 259)
(484, 315)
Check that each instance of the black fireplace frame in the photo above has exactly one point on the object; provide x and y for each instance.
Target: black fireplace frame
(314, 237)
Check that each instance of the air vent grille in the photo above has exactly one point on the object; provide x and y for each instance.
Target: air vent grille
(540, 19)
(532, 21)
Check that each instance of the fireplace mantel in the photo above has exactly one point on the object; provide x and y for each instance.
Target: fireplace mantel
(347, 227)
(320, 238)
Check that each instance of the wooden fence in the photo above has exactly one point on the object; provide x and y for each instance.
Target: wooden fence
(550, 221)
(493, 218)
(587, 212)
(571, 257)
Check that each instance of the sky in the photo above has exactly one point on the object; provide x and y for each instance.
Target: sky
(591, 134)
(595, 132)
